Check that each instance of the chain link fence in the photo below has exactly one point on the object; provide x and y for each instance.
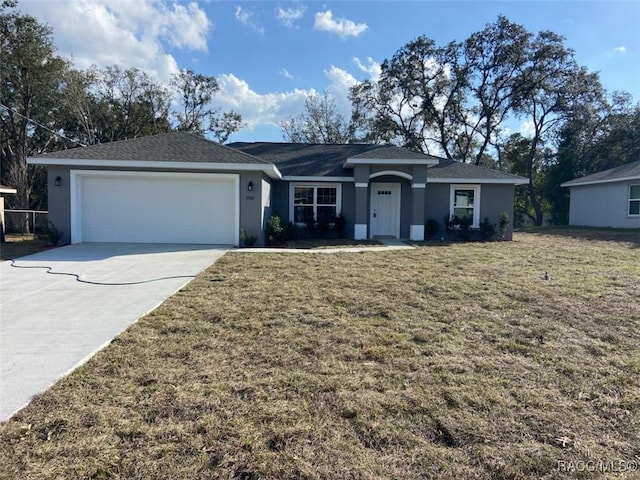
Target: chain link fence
(25, 222)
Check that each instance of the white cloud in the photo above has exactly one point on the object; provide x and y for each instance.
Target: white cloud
(290, 15)
(245, 17)
(527, 128)
(620, 49)
(108, 32)
(259, 109)
(285, 73)
(342, 27)
(372, 68)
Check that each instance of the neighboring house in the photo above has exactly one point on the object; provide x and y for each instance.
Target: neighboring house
(3, 190)
(181, 188)
(606, 199)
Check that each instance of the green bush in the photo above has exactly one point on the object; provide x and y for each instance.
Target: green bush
(503, 225)
(276, 232)
(53, 235)
(340, 224)
(246, 239)
(431, 228)
(487, 230)
(465, 227)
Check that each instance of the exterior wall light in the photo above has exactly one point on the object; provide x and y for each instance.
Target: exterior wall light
(58, 181)
(250, 186)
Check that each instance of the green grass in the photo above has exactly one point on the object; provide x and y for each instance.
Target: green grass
(448, 361)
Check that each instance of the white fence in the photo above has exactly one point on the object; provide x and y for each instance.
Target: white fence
(25, 222)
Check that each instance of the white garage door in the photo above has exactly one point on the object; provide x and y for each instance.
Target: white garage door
(145, 207)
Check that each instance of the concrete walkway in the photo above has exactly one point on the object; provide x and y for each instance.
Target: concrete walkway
(51, 324)
(388, 244)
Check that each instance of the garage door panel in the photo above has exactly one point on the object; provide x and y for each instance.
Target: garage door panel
(156, 208)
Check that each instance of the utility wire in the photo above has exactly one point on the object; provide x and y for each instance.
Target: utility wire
(42, 126)
(50, 271)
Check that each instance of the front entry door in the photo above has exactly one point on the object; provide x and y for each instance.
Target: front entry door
(385, 210)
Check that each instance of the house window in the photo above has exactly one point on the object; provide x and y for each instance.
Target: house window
(465, 202)
(315, 203)
(634, 200)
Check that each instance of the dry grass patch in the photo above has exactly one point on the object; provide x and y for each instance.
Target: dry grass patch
(330, 243)
(456, 361)
(21, 246)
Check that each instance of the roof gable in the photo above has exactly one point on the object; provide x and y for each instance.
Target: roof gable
(628, 171)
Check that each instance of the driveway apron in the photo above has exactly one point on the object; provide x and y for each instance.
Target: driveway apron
(51, 324)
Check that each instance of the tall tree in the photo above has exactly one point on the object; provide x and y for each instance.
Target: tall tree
(195, 113)
(594, 138)
(30, 73)
(319, 123)
(555, 86)
(450, 99)
(417, 100)
(130, 104)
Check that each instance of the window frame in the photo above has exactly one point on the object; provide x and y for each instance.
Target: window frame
(476, 200)
(632, 200)
(315, 186)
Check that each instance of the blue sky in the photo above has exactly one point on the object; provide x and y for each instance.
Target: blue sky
(269, 55)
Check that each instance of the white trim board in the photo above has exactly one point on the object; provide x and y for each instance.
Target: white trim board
(595, 182)
(485, 181)
(298, 178)
(268, 169)
(394, 173)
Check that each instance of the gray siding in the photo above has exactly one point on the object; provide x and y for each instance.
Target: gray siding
(602, 205)
(437, 202)
(59, 199)
(495, 199)
(251, 209)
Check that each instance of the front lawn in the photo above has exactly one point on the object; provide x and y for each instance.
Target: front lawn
(17, 246)
(517, 360)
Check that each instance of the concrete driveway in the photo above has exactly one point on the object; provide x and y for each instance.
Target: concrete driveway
(51, 324)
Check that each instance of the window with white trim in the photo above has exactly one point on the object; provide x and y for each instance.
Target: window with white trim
(465, 202)
(634, 201)
(315, 203)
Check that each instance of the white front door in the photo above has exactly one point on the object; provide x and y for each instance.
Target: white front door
(385, 210)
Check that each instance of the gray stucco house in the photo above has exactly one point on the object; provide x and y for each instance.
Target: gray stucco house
(181, 188)
(610, 198)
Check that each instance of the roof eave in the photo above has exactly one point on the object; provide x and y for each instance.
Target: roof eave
(577, 183)
(268, 168)
(493, 181)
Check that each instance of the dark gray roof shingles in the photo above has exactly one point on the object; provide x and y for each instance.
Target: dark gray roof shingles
(295, 159)
(165, 147)
(305, 159)
(458, 170)
(628, 170)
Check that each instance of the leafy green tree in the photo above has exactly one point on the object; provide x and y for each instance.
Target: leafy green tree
(319, 123)
(195, 93)
(30, 72)
(135, 104)
(452, 99)
(594, 138)
(555, 87)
